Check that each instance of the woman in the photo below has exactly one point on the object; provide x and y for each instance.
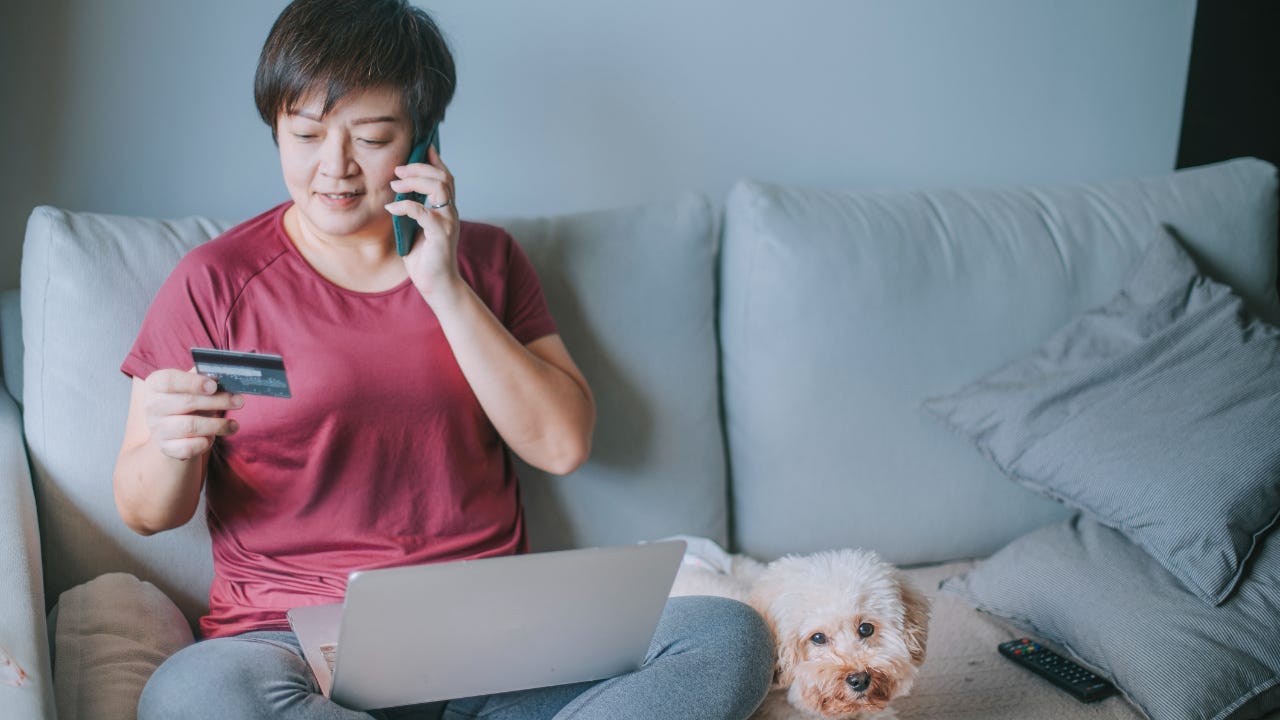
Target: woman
(411, 378)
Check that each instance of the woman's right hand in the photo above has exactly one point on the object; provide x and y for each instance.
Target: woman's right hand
(183, 412)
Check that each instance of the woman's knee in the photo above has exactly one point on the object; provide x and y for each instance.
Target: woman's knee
(176, 684)
(735, 634)
(201, 679)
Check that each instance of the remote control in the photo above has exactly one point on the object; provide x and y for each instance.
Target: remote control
(1080, 683)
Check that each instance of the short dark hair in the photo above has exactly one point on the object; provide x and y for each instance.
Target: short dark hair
(340, 46)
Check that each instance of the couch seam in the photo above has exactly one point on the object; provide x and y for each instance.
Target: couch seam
(753, 252)
(716, 230)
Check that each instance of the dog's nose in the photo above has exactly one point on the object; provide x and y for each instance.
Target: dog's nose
(858, 681)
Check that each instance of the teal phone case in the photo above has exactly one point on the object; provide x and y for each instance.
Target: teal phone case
(405, 226)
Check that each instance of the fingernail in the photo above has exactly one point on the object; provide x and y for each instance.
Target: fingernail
(237, 401)
(210, 386)
(233, 426)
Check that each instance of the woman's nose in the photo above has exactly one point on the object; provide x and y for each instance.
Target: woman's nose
(335, 157)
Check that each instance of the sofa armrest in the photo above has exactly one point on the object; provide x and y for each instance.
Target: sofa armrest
(25, 694)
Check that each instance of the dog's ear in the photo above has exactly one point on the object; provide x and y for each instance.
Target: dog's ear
(915, 619)
(770, 585)
(786, 653)
(784, 669)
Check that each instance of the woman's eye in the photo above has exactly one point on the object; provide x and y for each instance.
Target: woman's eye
(866, 630)
(304, 136)
(818, 639)
(373, 142)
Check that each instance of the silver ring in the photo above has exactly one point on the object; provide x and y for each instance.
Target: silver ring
(444, 204)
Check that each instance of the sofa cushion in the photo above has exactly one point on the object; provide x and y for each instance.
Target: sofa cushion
(842, 310)
(112, 633)
(87, 279)
(1158, 414)
(633, 293)
(1085, 588)
(963, 676)
(631, 290)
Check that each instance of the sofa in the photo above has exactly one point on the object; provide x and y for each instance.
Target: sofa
(768, 369)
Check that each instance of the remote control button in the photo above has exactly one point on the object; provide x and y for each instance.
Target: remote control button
(1061, 671)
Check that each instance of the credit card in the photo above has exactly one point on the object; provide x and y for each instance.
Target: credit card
(243, 372)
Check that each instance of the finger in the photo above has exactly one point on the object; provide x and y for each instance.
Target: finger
(436, 170)
(435, 190)
(179, 427)
(187, 403)
(437, 201)
(408, 208)
(431, 220)
(177, 381)
(422, 170)
(186, 448)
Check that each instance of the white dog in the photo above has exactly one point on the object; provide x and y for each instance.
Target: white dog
(850, 630)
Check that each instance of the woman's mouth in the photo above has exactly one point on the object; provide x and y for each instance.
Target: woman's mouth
(338, 200)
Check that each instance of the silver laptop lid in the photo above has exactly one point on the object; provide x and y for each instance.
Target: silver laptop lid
(434, 632)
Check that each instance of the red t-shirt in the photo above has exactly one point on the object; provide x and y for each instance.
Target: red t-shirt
(382, 457)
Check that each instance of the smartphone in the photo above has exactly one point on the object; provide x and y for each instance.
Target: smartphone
(406, 227)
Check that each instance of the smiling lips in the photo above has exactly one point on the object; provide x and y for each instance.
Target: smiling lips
(338, 200)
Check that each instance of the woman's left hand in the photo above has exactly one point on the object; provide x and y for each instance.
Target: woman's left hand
(432, 261)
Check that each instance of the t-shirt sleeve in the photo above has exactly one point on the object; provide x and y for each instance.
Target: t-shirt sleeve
(185, 313)
(526, 314)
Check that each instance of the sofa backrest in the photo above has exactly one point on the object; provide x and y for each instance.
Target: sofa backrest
(838, 313)
(633, 294)
(86, 282)
(632, 291)
(841, 311)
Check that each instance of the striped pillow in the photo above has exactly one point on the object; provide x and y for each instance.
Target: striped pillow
(1085, 588)
(1157, 414)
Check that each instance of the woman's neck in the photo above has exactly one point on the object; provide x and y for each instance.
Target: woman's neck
(354, 262)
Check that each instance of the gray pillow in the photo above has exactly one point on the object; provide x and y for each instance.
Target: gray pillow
(1158, 414)
(1084, 587)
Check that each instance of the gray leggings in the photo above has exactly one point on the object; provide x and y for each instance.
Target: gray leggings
(710, 658)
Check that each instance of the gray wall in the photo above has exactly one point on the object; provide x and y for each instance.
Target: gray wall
(145, 106)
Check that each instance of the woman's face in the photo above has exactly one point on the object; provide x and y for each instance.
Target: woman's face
(338, 167)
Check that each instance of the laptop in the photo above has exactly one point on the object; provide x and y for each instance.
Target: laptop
(423, 633)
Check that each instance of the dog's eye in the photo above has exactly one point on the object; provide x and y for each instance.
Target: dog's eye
(866, 630)
(818, 639)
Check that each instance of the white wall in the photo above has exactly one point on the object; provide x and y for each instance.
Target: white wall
(145, 106)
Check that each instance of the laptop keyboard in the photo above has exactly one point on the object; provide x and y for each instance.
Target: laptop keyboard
(330, 651)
